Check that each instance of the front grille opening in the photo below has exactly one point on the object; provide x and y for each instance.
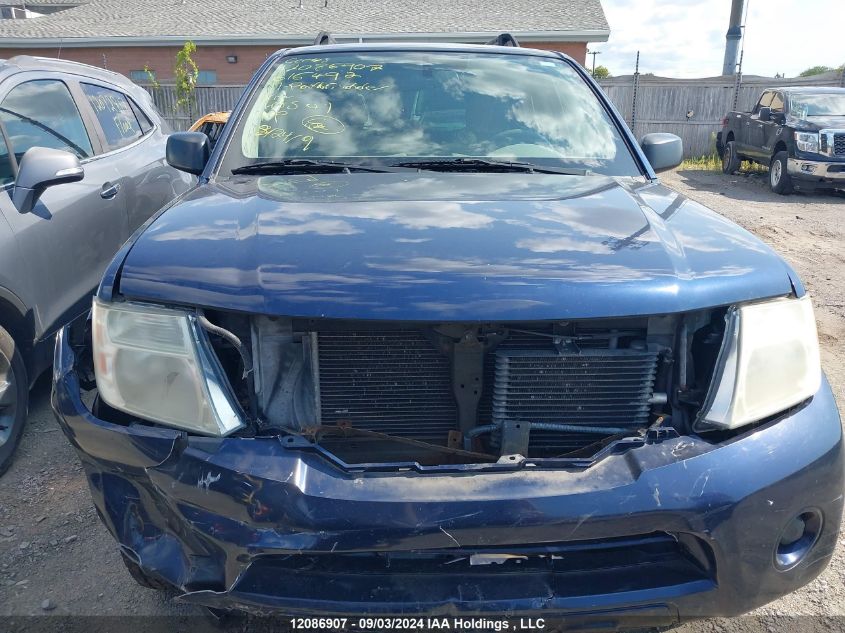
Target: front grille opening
(397, 395)
(463, 393)
(404, 383)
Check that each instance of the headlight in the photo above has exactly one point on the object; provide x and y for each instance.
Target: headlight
(807, 142)
(151, 362)
(768, 363)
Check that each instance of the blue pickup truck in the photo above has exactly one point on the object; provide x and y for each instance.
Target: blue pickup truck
(430, 339)
(798, 133)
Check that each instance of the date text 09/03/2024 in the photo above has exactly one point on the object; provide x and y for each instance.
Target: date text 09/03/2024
(418, 624)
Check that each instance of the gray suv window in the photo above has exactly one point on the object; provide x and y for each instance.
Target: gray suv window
(143, 119)
(115, 115)
(41, 113)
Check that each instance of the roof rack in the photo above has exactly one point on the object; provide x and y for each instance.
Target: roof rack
(324, 37)
(504, 39)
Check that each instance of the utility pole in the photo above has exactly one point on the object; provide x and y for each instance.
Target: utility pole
(732, 37)
(594, 53)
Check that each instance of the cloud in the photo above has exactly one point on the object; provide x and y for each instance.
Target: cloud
(686, 38)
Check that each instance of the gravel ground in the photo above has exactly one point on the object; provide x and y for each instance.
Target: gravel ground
(57, 559)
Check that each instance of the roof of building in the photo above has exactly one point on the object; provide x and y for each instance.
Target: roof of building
(298, 21)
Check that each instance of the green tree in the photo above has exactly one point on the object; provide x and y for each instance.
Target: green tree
(601, 72)
(186, 73)
(151, 77)
(154, 87)
(815, 70)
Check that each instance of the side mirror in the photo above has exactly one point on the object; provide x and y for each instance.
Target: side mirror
(41, 167)
(663, 151)
(188, 151)
(765, 114)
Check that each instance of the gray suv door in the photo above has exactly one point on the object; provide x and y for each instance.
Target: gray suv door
(74, 230)
(146, 182)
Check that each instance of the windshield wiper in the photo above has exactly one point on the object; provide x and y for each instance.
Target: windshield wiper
(305, 165)
(486, 164)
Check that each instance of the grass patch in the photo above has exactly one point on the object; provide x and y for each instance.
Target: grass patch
(713, 162)
(710, 162)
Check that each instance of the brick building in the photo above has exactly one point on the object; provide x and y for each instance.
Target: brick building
(233, 37)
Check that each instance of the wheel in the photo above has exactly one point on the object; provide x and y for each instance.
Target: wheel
(140, 577)
(730, 161)
(779, 179)
(14, 398)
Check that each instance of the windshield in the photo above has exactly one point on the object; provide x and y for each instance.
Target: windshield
(387, 107)
(804, 105)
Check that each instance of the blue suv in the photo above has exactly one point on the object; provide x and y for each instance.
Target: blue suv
(430, 339)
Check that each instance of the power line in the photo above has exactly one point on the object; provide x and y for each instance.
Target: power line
(594, 53)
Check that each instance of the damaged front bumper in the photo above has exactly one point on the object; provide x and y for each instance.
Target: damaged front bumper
(676, 529)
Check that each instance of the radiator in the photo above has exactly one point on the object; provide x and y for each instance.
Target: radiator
(396, 382)
(593, 387)
(392, 382)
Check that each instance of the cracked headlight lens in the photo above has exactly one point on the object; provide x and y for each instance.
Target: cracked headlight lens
(150, 362)
(769, 362)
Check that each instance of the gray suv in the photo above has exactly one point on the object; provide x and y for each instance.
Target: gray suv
(82, 166)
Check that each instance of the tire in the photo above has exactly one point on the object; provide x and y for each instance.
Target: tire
(141, 578)
(730, 161)
(779, 179)
(14, 398)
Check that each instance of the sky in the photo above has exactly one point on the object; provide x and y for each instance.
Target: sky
(686, 38)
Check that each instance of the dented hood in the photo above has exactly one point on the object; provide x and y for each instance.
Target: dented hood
(432, 246)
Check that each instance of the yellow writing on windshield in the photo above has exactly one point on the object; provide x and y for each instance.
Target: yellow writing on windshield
(319, 73)
(284, 136)
(318, 64)
(317, 85)
(365, 86)
(285, 106)
(322, 124)
(317, 106)
(333, 85)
